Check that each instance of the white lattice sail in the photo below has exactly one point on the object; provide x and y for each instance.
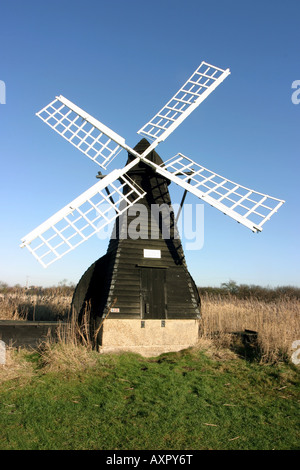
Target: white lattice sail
(83, 217)
(245, 205)
(82, 130)
(202, 82)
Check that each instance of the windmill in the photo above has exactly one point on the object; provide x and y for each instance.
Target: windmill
(148, 276)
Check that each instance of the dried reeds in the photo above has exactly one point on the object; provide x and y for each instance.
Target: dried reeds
(274, 318)
(277, 323)
(76, 343)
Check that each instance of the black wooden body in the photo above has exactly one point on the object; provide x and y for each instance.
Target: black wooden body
(145, 288)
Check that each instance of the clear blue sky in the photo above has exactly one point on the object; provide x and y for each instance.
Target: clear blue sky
(121, 61)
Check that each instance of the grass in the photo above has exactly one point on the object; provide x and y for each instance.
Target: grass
(220, 395)
(200, 398)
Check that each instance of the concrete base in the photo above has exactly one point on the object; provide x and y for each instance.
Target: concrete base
(148, 337)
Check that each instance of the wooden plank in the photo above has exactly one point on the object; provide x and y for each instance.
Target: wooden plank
(26, 333)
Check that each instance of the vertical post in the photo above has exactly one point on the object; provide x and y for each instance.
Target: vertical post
(2, 352)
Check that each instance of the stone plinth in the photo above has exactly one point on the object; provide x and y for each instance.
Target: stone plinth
(148, 337)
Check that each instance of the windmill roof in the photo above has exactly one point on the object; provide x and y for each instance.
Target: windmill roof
(140, 147)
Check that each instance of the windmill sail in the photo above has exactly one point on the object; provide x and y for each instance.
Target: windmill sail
(83, 131)
(102, 145)
(83, 217)
(242, 204)
(202, 82)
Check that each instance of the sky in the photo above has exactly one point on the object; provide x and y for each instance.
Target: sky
(121, 61)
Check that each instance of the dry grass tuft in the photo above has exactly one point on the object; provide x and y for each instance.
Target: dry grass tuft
(218, 349)
(74, 347)
(67, 356)
(16, 366)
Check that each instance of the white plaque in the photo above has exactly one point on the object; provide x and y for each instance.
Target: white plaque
(152, 254)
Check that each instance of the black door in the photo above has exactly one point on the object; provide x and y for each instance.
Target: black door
(153, 293)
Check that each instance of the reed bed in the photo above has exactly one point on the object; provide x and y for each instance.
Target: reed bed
(44, 306)
(277, 323)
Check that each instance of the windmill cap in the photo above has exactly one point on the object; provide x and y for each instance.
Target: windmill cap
(140, 147)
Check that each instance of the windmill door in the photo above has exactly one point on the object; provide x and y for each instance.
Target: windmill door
(153, 293)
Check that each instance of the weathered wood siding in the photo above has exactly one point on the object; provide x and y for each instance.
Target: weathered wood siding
(117, 275)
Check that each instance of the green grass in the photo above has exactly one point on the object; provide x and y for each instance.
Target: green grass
(182, 401)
